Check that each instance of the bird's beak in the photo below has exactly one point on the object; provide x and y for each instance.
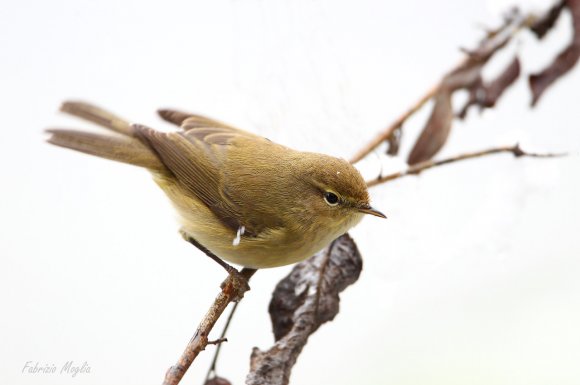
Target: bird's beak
(367, 209)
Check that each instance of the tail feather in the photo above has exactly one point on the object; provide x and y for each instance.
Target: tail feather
(121, 149)
(98, 116)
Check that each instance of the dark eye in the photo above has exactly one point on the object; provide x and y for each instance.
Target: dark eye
(331, 198)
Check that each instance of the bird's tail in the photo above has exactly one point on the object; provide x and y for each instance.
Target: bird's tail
(122, 145)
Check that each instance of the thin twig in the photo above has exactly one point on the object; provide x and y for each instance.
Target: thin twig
(494, 41)
(212, 369)
(231, 289)
(218, 341)
(422, 166)
(387, 132)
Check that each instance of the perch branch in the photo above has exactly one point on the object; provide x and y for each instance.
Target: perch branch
(422, 166)
(231, 290)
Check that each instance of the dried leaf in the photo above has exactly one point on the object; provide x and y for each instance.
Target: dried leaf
(486, 95)
(469, 72)
(497, 87)
(466, 76)
(563, 63)
(319, 279)
(436, 130)
(301, 302)
(217, 381)
(474, 95)
(394, 142)
(545, 23)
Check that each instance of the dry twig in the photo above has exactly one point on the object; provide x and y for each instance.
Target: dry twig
(468, 75)
(231, 290)
(219, 341)
(422, 166)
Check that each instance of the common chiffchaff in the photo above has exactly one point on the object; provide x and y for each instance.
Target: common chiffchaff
(248, 200)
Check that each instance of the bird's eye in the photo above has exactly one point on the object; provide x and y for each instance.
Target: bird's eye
(331, 198)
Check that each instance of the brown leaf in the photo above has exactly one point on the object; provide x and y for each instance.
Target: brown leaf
(301, 303)
(321, 278)
(545, 23)
(217, 381)
(394, 141)
(497, 87)
(465, 76)
(436, 130)
(469, 72)
(563, 63)
(486, 95)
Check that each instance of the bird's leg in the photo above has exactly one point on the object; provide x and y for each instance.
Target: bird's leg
(238, 280)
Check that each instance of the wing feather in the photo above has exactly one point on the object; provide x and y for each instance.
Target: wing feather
(187, 120)
(199, 157)
(197, 168)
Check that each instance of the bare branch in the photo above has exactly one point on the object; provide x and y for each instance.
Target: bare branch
(218, 341)
(465, 73)
(486, 95)
(231, 290)
(422, 166)
(301, 303)
(397, 124)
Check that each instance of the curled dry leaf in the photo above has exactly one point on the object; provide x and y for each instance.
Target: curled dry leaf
(465, 76)
(301, 302)
(563, 63)
(436, 130)
(217, 381)
(546, 22)
(486, 95)
(394, 142)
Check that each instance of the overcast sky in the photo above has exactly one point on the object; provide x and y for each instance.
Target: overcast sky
(473, 279)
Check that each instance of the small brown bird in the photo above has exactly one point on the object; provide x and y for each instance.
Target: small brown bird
(248, 200)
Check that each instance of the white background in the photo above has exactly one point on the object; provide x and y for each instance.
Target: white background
(473, 279)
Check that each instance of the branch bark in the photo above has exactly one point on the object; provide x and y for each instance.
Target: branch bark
(231, 290)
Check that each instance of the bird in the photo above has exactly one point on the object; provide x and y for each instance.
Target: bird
(247, 200)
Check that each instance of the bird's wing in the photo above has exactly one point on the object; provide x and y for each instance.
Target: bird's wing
(179, 117)
(197, 158)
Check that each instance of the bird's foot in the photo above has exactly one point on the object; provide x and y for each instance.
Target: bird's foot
(237, 283)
